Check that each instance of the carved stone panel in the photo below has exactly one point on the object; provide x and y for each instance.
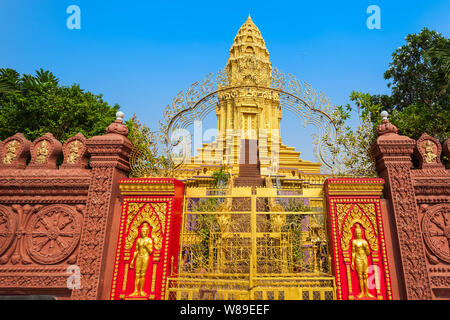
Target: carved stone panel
(358, 245)
(8, 227)
(44, 152)
(75, 152)
(428, 151)
(53, 234)
(436, 231)
(37, 235)
(14, 152)
(409, 233)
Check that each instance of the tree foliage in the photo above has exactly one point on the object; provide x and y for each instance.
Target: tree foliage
(353, 145)
(150, 157)
(37, 104)
(419, 80)
(440, 58)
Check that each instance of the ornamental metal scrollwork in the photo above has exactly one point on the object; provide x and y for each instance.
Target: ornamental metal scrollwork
(74, 150)
(300, 98)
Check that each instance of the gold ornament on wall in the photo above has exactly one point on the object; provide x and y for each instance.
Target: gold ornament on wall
(430, 156)
(42, 153)
(147, 215)
(74, 152)
(348, 217)
(139, 262)
(360, 263)
(11, 151)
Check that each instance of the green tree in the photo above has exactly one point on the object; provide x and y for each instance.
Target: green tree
(440, 59)
(419, 75)
(352, 147)
(146, 159)
(220, 178)
(204, 224)
(37, 104)
(419, 80)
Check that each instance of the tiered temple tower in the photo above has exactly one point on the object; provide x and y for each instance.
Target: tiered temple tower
(249, 116)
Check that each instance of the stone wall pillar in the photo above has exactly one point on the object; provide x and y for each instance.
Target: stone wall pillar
(109, 162)
(393, 163)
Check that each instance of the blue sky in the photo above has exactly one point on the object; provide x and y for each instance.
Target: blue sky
(140, 54)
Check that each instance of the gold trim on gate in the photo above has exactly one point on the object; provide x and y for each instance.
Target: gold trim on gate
(167, 189)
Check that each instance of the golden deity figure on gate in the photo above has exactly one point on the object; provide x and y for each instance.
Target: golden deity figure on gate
(360, 251)
(430, 156)
(141, 257)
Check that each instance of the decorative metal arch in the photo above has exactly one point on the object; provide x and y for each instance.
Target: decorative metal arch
(299, 98)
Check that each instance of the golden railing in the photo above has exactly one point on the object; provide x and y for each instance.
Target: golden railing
(252, 244)
(265, 288)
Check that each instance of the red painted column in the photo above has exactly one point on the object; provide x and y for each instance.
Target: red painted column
(354, 207)
(149, 238)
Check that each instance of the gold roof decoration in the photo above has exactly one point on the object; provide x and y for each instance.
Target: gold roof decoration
(249, 58)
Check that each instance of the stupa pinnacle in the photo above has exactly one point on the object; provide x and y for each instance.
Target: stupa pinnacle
(249, 58)
(248, 122)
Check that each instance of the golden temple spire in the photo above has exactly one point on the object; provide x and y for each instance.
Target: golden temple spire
(249, 58)
(248, 109)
